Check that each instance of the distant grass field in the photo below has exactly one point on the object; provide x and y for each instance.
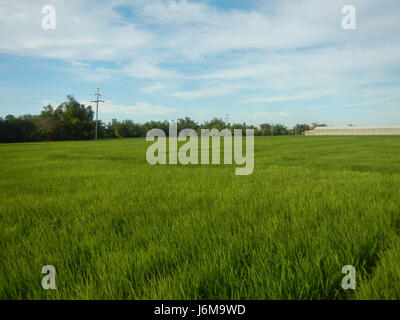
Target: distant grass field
(116, 227)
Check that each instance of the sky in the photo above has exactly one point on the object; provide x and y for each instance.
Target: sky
(256, 61)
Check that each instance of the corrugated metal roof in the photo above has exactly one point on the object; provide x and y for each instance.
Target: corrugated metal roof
(357, 128)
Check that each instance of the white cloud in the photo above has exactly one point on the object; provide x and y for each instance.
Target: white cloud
(372, 102)
(278, 51)
(84, 30)
(140, 108)
(144, 69)
(271, 115)
(153, 88)
(303, 96)
(54, 104)
(204, 92)
(78, 64)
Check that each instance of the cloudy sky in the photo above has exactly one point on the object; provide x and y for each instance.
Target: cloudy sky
(259, 61)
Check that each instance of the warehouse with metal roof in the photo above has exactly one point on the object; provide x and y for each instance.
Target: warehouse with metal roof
(355, 131)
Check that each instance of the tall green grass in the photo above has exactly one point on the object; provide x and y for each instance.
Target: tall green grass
(115, 227)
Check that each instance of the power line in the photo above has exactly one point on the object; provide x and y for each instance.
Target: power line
(97, 109)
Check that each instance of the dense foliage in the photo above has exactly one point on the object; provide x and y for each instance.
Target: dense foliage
(74, 121)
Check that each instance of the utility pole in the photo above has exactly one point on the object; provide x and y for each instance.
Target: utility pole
(98, 95)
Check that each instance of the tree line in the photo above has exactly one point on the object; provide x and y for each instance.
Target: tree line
(74, 121)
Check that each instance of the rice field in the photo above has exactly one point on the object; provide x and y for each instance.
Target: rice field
(115, 227)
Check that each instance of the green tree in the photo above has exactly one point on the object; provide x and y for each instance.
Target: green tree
(266, 129)
(279, 130)
(299, 129)
(128, 129)
(187, 123)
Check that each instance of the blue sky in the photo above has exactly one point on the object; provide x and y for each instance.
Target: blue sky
(259, 61)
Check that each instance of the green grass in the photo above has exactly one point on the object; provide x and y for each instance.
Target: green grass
(116, 227)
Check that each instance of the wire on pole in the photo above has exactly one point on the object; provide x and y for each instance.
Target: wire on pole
(98, 95)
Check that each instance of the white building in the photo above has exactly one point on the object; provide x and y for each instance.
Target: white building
(355, 131)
